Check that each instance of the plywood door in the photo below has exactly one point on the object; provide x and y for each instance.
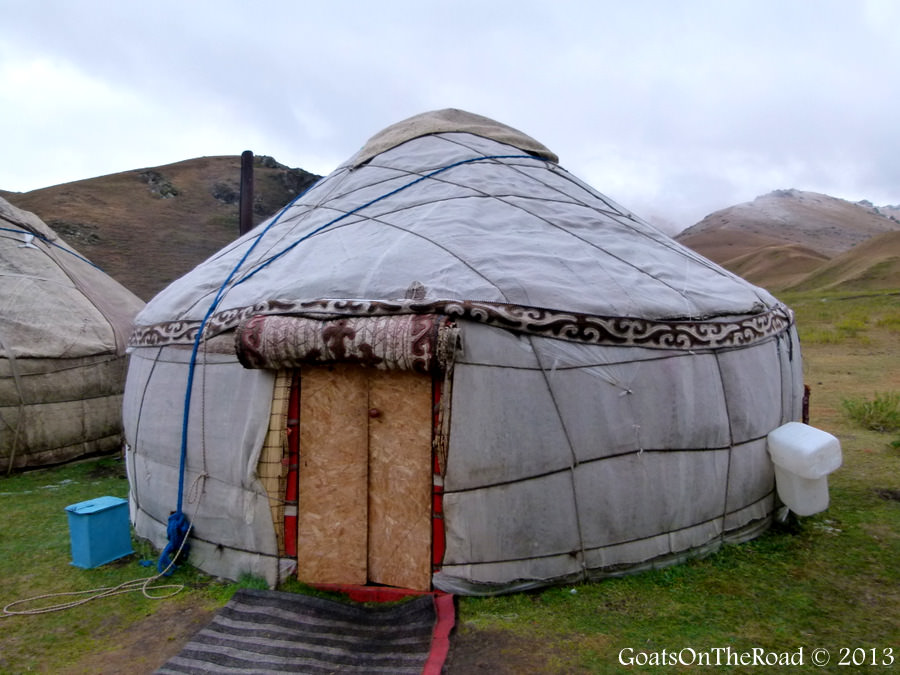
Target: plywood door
(332, 504)
(400, 480)
(364, 504)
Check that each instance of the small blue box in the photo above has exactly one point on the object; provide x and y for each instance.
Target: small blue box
(99, 531)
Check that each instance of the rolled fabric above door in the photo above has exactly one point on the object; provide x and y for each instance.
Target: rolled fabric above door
(424, 343)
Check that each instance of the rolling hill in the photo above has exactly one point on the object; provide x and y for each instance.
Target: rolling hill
(777, 265)
(874, 264)
(789, 238)
(149, 226)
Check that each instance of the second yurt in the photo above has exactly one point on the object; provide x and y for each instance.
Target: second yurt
(63, 336)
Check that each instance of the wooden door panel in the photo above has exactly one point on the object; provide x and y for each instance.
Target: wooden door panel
(365, 477)
(400, 479)
(332, 523)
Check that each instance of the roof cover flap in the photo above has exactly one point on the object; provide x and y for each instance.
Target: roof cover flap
(447, 121)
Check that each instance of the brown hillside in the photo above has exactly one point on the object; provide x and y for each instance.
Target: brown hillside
(776, 267)
(874, 264)
(149, 226)
(723, 245)
(823, 224)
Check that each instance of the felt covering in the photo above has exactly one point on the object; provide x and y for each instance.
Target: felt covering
(489, 224)
(611, 390)
(449, 120)
(62, 347)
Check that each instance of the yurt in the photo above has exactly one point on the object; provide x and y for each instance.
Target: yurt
(65, 326)
(453, 365)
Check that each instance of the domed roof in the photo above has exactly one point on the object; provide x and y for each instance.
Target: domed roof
(451, 206)
(56, 304)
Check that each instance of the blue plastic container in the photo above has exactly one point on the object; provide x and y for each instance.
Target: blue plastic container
(99, 531)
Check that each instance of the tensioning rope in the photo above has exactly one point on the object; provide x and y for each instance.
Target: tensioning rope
(406, 186)
(20, 413)
(47, 241)
(178, 525)
(142, 585)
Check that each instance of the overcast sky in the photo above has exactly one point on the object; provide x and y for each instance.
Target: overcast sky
(673, 108)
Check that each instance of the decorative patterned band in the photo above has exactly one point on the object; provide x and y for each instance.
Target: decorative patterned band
(425, 343)
(570, 326)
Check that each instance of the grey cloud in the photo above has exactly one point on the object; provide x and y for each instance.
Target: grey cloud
(711, 100)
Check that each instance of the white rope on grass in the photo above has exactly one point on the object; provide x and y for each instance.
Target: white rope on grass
(142, 584)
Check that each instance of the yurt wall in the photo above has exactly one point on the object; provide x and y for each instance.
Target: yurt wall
(62, 348)
(606, 459)
(600, 400)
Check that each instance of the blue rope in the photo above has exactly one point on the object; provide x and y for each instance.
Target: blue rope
(275, 257)
(178, 547)
(44, 239)
(179, 525)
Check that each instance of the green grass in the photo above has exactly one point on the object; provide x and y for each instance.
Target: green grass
(820, 336)
(827, 581)
(35, 561)
(823, 582)
(882, 413)
(833, 318)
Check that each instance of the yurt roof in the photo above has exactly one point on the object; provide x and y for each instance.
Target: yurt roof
(449, 120)
(453, 207)
(56, 303)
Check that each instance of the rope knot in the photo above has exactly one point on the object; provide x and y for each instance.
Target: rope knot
(178, 547)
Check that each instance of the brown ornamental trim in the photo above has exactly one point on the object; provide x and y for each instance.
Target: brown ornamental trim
(570, 326)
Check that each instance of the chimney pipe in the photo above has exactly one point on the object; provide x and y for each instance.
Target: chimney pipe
(246, 207)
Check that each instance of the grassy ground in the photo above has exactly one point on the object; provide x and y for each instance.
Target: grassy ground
(35, 560)
(830, 581)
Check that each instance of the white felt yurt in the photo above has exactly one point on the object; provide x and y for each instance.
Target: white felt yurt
(453, 364)
(65, 325)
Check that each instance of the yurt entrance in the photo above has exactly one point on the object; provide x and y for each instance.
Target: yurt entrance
(356, 480)
(364, 477)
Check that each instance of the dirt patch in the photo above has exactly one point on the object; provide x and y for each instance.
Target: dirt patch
(888, 493)
(498, 652)
(145, 646)
(108, 469)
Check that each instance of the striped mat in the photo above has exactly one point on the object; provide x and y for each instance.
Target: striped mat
(275, 632)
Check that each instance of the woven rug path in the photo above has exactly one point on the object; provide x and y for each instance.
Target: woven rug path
(275, 632)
